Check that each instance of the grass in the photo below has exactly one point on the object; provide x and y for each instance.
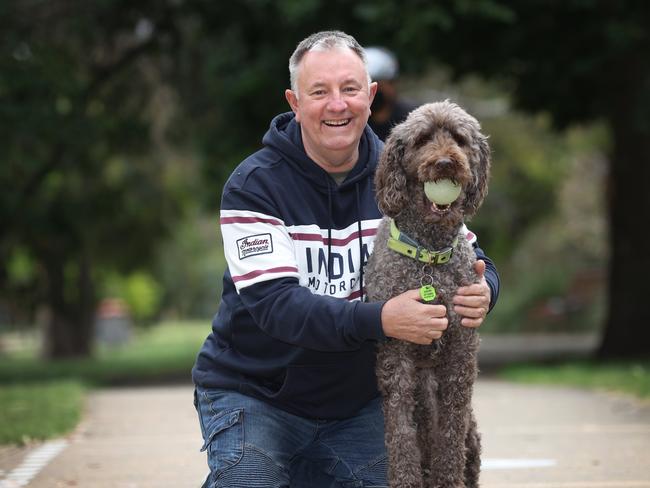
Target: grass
(161, 353)
(44, 399)
(39, 410)
(625, 376)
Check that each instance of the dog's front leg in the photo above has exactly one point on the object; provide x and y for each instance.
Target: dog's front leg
(396, 378)
(456, 372)
(473, 454)
(427, 419)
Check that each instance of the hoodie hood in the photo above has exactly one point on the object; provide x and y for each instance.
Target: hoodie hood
(284, 137)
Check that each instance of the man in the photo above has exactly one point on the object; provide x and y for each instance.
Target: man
(285, 383)
(388, 108)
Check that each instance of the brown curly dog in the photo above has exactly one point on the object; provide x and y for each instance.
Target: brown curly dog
(431, 433)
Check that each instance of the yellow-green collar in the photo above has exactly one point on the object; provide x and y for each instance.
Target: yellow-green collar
(403, 244)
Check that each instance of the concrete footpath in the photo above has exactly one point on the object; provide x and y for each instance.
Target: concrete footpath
(533, 437)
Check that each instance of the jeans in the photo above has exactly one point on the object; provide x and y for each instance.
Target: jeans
(251, 444)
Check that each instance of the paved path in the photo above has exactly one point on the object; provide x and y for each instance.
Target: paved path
(594, 440)
(533, 437)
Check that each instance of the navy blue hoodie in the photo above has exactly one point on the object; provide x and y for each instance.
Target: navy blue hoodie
(292, 328)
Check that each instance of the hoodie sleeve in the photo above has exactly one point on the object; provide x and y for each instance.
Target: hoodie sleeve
(491, 276)
(260, 254)
(291, 313)
(491, 273)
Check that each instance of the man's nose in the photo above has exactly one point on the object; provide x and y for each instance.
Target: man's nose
(336, 102)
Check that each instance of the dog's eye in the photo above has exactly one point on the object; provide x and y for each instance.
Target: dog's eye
(421, 141)
(460, 140)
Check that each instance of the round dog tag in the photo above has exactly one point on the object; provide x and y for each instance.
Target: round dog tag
(428, 293)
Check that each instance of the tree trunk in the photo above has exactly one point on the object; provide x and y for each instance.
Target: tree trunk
(69, 330)
(627, 328)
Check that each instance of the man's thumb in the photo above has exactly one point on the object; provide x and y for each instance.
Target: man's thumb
(479, 267)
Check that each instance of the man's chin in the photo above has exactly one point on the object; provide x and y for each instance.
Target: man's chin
(342, 142)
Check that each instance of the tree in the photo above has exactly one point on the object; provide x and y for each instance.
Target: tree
(81, 193)
(578, 60)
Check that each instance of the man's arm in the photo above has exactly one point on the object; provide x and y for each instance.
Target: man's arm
(261, 258)
(474, 302)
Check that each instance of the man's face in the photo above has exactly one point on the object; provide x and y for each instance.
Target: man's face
(332, 105)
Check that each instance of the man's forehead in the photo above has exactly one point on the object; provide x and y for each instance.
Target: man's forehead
(324, 66)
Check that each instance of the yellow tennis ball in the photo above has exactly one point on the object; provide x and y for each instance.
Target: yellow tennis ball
(442, 192)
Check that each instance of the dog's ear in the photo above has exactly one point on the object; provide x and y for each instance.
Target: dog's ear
(390, 178)
(477, 191)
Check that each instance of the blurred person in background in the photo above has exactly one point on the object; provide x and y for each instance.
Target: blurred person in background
(285, 384)
(388, 107)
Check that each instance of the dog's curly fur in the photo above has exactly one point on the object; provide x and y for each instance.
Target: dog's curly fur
(431, 433)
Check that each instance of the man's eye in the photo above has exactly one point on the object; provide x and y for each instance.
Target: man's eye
(318, 93)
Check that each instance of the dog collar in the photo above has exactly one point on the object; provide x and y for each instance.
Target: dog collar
(405, 245)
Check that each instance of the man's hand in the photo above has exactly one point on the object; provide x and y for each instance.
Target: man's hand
(405, 317)
(472, 302)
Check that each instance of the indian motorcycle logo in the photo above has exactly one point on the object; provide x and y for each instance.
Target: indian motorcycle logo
(338, 278)
(254, 245)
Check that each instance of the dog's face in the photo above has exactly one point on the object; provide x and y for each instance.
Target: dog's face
(435, 164)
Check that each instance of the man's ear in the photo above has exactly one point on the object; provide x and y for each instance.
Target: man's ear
(372, 91)
(292, 98)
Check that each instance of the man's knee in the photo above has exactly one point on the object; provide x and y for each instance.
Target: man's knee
(258, 463)
(375, 475)
(255, 469)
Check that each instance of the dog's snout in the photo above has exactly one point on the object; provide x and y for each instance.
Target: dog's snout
(443, 163)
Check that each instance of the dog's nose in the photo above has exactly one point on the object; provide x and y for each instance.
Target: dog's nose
(443, 163)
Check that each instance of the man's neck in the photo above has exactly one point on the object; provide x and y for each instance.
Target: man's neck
(334, 163)
(339, 176)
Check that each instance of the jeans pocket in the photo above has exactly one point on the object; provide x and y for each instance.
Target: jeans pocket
(224, 440)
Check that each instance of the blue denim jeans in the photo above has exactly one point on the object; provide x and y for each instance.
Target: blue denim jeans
(251, 444)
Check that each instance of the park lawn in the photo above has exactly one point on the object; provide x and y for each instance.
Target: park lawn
(39, 410)
(158, 354)
(44, 399)
(625, 376)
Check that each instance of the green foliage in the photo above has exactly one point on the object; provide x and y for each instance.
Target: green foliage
(629, 376)
(190, 268)
(82, 190)
(39, 410)
(529, 165)
(140, 292)
(20, 267)
(143, 295)
(555, 274)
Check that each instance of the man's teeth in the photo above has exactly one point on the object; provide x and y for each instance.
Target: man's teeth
(337, 123)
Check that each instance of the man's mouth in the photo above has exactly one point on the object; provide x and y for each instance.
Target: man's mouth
(336, 123)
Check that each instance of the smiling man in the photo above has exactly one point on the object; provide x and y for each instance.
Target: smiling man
(331, 98)
(285, 384)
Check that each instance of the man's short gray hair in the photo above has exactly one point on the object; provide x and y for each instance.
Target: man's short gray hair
(323, 41)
